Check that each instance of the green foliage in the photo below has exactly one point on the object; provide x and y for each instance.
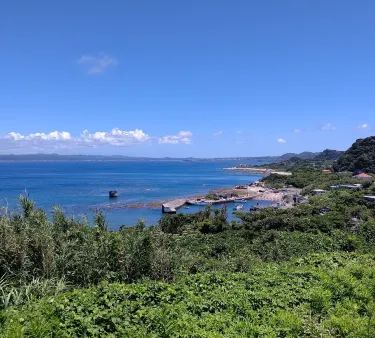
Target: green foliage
(328, 155)
(309, 297)
(212, 196)
(274, 273)
(207, 221)
(308, 180)
(360, 156)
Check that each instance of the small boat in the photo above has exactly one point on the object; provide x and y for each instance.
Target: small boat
(198, 203)
(186, 207)
(113, 193)
(238, 207)
(240, 201)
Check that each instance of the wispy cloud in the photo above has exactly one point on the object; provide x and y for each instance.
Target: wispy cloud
(97, 64)
(220, 132)
(296, 130)
(281, 140)
(64, 140)
(182, 137)
(363, 126)
(328, 127)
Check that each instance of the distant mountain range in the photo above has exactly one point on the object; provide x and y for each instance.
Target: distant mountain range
(326, 154)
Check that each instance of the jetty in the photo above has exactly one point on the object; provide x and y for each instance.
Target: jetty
(223, 200)
(172, 206)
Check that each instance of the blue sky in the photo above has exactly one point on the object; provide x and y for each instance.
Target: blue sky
(185, 78)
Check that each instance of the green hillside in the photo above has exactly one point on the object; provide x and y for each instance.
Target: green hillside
(360, 156)
(328, 155)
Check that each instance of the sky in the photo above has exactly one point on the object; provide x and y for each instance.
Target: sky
(185, 78)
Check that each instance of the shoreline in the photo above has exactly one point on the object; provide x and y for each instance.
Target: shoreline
(259, 171)
(252, 192)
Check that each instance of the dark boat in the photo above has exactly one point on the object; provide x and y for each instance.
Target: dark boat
(113, 193)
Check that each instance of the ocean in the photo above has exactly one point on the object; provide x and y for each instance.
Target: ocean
(81, 187)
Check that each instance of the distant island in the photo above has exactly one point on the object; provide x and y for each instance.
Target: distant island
(57, 157)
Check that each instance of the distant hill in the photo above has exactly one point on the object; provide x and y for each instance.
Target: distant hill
(360, 156)
(306, 155)
(56, 157)
(328, 155)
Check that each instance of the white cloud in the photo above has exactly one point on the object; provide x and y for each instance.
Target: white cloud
(363, 126)
(37, 141)
(181, 137)
(64, 140)
(220, 132)
(97, 64)
(296, 130)
(327, 127)
(116, 137)
(53, 136)
(281, 140)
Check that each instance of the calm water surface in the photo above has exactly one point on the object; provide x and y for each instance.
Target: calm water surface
(79, 187)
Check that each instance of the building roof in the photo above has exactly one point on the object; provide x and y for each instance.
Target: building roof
(363, 175)
(369, 198)
(349, 186)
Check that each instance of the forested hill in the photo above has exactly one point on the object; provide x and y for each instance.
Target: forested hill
(360, 156)
(329, 155)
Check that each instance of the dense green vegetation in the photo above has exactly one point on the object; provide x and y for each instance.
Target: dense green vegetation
(274, 273)
(309, 179)
(328, 155)
(212, 196)
(323, 160)
(315, 296)
(360, 156)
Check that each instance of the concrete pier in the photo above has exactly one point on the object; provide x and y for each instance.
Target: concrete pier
(172, 206)
(227, 200)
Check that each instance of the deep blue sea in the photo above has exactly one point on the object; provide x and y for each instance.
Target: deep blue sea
(80, 187)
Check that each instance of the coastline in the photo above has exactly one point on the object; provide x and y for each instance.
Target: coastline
(253, 191)
(259, 171)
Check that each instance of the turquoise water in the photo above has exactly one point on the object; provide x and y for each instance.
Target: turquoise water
(80, 187)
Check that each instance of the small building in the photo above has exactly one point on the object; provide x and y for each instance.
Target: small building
(346, 186)
(369, 198)
(363, 176)
(318, 191)
(327, 171)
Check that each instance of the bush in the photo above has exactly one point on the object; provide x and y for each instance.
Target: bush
(212, 197)
(303, 298)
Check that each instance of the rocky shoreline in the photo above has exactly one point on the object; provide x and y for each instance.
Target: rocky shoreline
(259, 171)
(249, 192)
